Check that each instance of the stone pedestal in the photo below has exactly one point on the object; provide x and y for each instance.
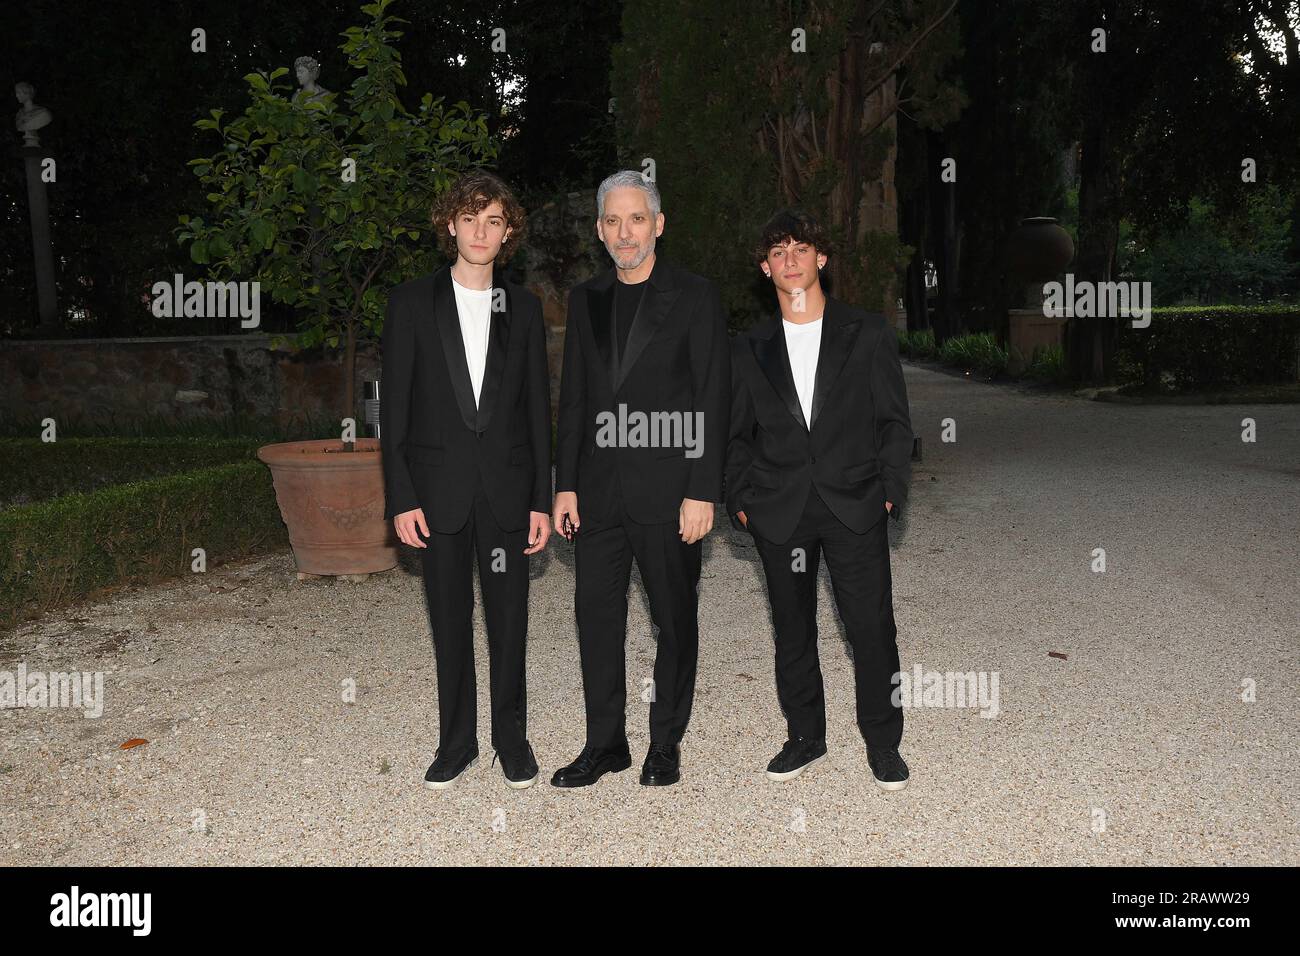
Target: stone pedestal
(1029, 329)
(42, 249)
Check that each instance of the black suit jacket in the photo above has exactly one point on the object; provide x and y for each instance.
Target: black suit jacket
(436, 444)
(676, 361)
(858, 450)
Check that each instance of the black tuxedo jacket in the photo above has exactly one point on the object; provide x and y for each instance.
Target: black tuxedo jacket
(436, 444)
(676, 361)
(857, 450)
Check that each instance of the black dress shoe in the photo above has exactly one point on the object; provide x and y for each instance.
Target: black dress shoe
(592, 764)
(798, 754)
(446, 769)
(661, 767)
(519, 766)
(887, 767)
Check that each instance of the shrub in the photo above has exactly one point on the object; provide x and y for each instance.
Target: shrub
(1206, 347)
(67, 548)
(978, 352)
(36, 470)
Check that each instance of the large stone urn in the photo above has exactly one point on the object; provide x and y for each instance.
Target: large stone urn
(332, 501)
(1037, 251)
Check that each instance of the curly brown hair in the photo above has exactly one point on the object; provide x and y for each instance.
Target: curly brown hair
(471, 193)
(792, 224)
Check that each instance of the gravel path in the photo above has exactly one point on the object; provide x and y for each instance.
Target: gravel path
(1136, 747)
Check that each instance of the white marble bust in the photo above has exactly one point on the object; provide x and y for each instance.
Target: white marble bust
(30, 117)
(307, 70)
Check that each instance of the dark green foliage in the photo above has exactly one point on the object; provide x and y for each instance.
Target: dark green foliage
(1218, 257)
(126, 87)
(36, 470)
(325, 201)
(1047, 365)
(58, 551)
(298, 426)
(916, 343)
(738, 126)
(1209, 347)
(978, 353)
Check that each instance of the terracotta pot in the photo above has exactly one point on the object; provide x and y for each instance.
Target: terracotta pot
(332, 502)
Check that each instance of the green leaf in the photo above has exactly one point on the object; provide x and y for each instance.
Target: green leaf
(262, 233)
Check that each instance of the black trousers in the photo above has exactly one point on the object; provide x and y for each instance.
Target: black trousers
(860, 580)
(449, 586)
(670, 571)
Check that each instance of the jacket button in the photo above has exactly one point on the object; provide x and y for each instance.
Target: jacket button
(814, 460)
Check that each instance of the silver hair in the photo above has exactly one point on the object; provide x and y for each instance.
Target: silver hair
(621, 179)
(310, 62)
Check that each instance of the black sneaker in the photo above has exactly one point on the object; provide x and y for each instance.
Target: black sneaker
(520, 767)
(798, 754)
(446, 770)
(592, 764)
(888, 767)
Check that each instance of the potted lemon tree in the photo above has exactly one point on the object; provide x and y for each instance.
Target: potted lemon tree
(324, 200)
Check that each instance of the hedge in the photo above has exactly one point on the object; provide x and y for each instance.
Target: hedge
(61, 550)
(1187, 348)
(1206, 347)
(37, 471)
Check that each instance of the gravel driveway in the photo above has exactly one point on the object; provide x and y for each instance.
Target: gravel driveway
(1118, 734)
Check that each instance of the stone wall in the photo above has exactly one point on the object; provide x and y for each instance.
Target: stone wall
(181, 378)
(97, 381)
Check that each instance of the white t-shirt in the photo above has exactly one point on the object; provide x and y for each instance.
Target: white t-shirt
(804, 344)
(474, 306)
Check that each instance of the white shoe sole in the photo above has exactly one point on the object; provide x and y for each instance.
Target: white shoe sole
(444, 784)
(791, 774)
(522, 784)
(889, 784)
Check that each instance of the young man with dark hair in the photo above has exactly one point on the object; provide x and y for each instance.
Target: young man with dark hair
(465, 421)
(819, 455)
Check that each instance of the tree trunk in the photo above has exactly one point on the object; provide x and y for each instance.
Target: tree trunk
(943, 233)
(844, 149)
(350, 376)
(915, 209)
(1090, 341)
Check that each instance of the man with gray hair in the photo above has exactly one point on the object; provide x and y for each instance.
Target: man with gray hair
(645, 340)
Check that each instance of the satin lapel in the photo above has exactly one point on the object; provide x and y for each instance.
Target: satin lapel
(453, 346)
(650, 314)
(772, 357)
(498, 343)
(600, 308)
(838, 336)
